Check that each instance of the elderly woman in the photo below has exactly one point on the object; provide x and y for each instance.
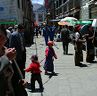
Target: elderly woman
(6, 70)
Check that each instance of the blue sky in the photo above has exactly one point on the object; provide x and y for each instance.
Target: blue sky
(38, 1)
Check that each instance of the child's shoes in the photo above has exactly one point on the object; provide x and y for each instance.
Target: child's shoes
(41, 89)
(46, 72)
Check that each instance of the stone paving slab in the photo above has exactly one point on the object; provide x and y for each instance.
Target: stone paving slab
(70, 80)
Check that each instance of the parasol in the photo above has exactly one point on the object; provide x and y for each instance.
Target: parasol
(54, 20)
(63, 23)
(71, 20)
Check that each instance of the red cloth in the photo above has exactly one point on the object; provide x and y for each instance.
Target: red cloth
(34, 68)
(78, 27)
(52, 52)
(46, 51)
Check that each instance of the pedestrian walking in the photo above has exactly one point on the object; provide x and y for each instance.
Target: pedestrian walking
(65, 39)
(34, 68)
(36, 31)
(17, 41)
(46, 34)
(52, 30)
(50, 55)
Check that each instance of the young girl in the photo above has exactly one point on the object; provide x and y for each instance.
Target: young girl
(50, 55)
(34, 68)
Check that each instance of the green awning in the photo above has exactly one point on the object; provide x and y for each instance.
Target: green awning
(8, 22)
(84, 22)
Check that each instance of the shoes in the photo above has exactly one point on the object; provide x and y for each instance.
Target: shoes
(53, 73)
(78, 64)
(81, 65)
(91, 61)
(46, 73)
(33, 90)
(64, 53)
(41, 89)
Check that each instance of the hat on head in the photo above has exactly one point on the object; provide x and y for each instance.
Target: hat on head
(50, 43)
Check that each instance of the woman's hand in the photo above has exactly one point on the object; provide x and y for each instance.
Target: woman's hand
(10, 53)
(56, 56)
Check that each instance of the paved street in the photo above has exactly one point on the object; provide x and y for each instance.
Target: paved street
(70, 80)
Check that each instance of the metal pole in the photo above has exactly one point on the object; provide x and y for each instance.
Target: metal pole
(36, 46)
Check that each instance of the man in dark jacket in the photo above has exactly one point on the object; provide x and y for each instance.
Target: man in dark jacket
(17, 42)
(65, 39)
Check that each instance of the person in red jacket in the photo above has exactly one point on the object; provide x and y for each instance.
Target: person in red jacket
(34, 68)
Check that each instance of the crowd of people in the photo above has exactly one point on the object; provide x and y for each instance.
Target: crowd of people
(73, 34)
(13, 54)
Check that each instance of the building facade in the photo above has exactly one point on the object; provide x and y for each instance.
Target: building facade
(19, 11)
(80, 9)
(15, 10)
(8, 10)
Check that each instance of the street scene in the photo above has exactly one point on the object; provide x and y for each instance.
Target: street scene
(70, 80)
(48, 47)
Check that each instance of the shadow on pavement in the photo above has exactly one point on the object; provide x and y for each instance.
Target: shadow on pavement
(91, 63)
(69, 54)
(37, 90)
(50, 74)
(83, 65)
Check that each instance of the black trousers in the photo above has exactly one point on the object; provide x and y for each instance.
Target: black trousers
(21, 65)
(36, 77)
(78, 57)
(65, 47)
(19, 89)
